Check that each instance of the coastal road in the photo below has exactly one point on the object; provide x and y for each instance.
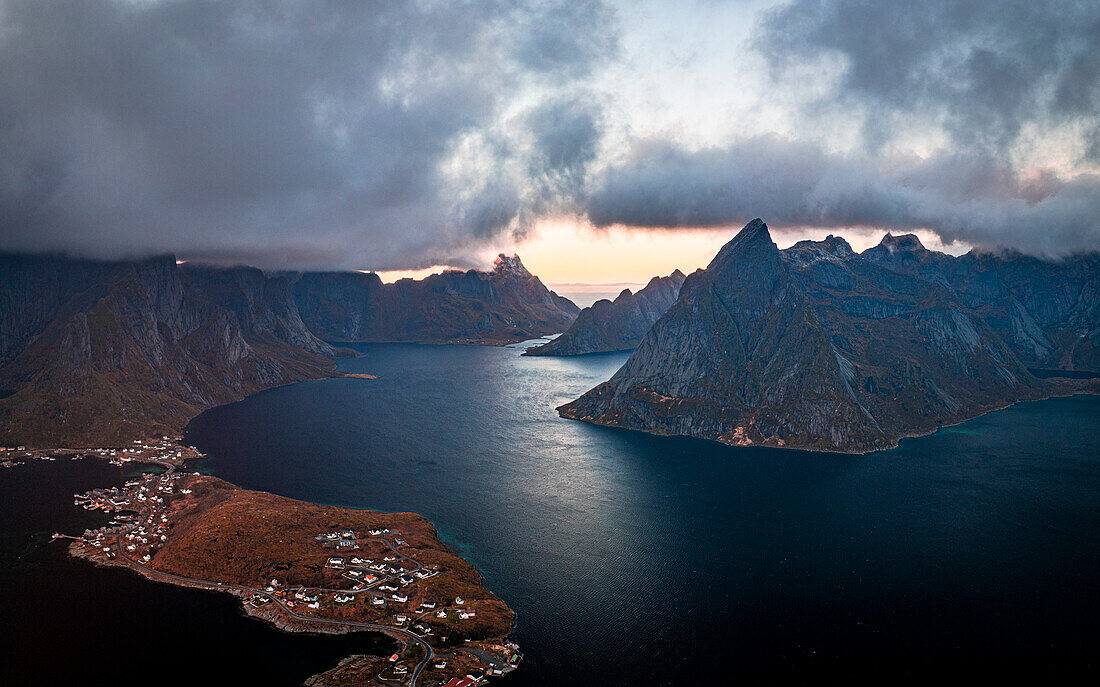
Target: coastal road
(429, 654)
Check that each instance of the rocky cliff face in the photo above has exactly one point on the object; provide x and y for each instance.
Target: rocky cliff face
(1047, 311)
(95, 353)
(505, 305)
(616, 325)
(817, 347)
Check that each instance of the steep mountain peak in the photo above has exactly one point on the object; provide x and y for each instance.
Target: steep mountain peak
(510, 266)
(677, 274)
(752, 241)
(902, 242)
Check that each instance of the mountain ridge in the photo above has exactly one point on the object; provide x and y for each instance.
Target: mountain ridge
(102, 352)
(504, 305)
(130, 349)
(813, 347)
(615, 325)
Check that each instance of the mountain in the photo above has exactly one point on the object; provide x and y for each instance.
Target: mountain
(505, 305)
(818, 347)
(1047, 311)
(98, 353)
(616, 325)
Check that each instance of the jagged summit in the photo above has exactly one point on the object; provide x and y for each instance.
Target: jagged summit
(754, 238)
(510, 266)
(831, 249)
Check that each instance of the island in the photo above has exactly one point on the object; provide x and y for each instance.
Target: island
(303, 567)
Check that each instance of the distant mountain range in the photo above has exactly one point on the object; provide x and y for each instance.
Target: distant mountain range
(616, 325)
(818, 347)
(98, 353)
(505, 305)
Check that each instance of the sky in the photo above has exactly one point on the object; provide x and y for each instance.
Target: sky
(603, 141)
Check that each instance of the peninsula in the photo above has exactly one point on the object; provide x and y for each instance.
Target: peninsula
(304, 567)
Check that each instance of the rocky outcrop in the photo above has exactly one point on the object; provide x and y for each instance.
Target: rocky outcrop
(817, 347)
(504, 305)
(98, 353)
(616, 325)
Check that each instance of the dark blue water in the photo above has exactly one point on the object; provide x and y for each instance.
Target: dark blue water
(632, 558)
(65, 622)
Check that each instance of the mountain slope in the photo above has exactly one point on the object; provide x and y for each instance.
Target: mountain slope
(119, 350)
(813, 347)
(505, 305)
(616, 325)
(1048, 311)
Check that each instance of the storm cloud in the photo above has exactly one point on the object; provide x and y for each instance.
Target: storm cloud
(961, 196)
(280, 133)
(398, 135)
(990, 80)
(984, 71)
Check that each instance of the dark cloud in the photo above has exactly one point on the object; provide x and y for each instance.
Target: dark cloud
(961, 196)
(982, 70)
(566, 135)
(393, 135)
(992, 76)
(284, 133)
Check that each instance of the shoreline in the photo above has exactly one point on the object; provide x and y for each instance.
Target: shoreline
(490, 656)
(892, 446)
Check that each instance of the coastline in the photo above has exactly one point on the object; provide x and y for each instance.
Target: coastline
(1088, 389)
(423, 658)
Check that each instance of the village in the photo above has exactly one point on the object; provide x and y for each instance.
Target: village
(365, 578)
(165, 451)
